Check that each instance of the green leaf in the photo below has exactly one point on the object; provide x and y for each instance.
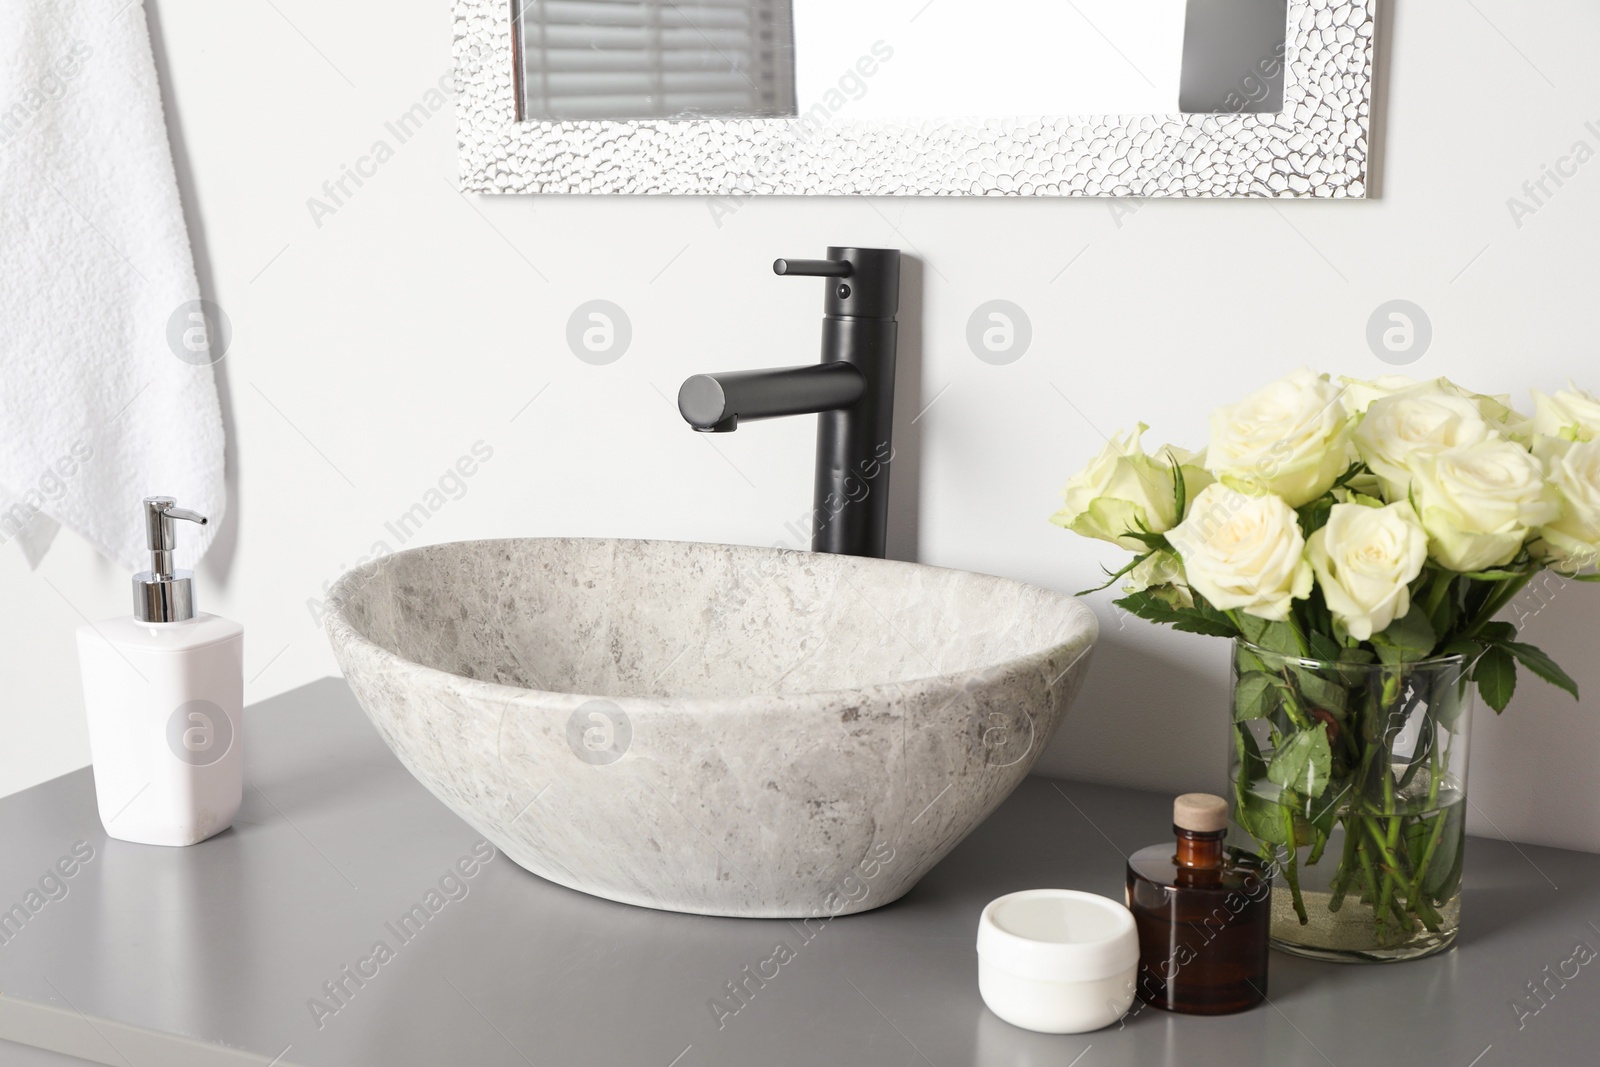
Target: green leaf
(1264, 820)
(1253, 696)
(1493, 576)
(1205, 619)
(1314, 516)
(1323, 647)
(1325, 812)
(1407, 639)
(1200, 619)
(1273, 636)
(1245, 660)
(1302, 762)
(1252, 628)
(1542, 665)
(1251, 764)
(1320, 692)
(1147, 605)
(1496, 675)
(1464, 646)
(1497, 633)
(1192, 622)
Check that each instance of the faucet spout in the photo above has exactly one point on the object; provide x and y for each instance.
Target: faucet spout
(717, 403)
(851, 392)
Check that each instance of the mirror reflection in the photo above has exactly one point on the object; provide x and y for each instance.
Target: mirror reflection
(906, 60)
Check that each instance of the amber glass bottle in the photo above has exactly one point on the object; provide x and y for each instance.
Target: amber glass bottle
(1203, 914)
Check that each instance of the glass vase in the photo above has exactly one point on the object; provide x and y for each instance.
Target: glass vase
(1349, 780)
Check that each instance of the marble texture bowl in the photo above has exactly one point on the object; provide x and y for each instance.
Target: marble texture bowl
(709, 728)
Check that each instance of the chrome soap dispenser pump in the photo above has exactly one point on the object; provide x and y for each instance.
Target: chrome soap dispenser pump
(164, 693)
(163, 594)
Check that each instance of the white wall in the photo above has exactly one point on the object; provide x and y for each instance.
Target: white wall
(415, 322)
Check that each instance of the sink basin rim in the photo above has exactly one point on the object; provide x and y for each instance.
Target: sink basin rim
(342, 633)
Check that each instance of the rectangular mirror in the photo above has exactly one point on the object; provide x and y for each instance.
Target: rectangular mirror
(719, 59)
(635, 91)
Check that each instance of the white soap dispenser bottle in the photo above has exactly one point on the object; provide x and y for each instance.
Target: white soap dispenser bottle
(164, 691)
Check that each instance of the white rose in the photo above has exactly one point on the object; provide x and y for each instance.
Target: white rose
(1360, 393)
(1161, 573)
(1291, 439)
(1123, 489)
(1495, 410)
(1499, 414)
(1572, 542)
(1243, 551)
(1571, 414)
(1481, 502)
(1419, 421)
(1365, 560)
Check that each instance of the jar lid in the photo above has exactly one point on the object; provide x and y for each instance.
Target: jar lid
(1058, 935)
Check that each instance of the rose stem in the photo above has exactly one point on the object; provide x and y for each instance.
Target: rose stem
(1437, 831)
(1372, 887)
(1291, 872)
(1347, 864)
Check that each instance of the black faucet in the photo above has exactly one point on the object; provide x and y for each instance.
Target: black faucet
(852, 390)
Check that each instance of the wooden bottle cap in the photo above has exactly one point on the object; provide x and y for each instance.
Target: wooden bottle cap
(1200, 813)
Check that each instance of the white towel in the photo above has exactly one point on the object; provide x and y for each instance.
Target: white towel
(107, 393)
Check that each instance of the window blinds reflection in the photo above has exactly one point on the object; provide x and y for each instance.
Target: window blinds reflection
(642, 59)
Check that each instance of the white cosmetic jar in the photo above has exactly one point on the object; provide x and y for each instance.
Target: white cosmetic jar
(1056, 960)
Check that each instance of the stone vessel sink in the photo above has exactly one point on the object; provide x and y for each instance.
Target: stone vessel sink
(709, 728)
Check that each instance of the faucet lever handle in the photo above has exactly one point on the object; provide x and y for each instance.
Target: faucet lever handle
(814, 268)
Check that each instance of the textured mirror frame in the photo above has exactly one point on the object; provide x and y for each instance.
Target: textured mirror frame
(1317, 146)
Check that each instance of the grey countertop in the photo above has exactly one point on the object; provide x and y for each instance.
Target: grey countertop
(214, 954)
